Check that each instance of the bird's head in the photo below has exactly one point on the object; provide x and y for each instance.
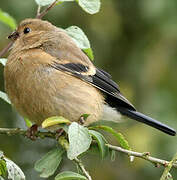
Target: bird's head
(31, 33)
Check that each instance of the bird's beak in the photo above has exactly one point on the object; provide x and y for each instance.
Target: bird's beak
(13, 36)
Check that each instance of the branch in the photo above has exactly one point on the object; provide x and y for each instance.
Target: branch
(42, 135)
(171, 164)
(145, 156)
(18, 131)
(43, 13)
(65, 144)
(5, 50)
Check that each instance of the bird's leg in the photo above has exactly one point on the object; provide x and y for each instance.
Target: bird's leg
(32, 131)
(59, 132)
(83, 118)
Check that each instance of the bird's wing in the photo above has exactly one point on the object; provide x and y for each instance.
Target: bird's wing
(98, 78)
(102, 80)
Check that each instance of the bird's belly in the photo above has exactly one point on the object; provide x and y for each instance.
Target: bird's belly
(49, 92)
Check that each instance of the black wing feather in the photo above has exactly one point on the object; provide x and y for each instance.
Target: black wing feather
(100, 81)
(105, 73)
(102, 75)
(103, 81)
(76, 67)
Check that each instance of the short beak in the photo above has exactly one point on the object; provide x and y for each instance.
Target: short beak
(13, 36)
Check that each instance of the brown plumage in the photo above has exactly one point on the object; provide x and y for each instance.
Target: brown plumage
(39, 91)
(47, 75)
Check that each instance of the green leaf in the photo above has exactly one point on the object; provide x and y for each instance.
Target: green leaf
(44, 2)
(54, 120)
(3, 168)
(4, 97)
(8, 20)
(78, 36)
(66, 175)
(79, 140)
(101, 142)
(90, 6)
(28, 122)
(63, 142)
(14, 172)
(48, 164)
(80, 39)
(3, 61)
(89, 53)
(119, 137)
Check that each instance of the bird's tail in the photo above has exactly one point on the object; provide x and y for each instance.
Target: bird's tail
(147, 120)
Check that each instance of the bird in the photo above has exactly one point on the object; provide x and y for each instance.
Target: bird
(47, 74)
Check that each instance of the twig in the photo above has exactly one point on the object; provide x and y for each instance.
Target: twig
(65, 144)
(145, 156)
(43, 13)
(81, 166)
(5, 50)
(168, 167)
(18, 131)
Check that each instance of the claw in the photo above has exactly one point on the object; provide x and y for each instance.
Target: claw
(32, 131)
(59, 132)
(83, 118)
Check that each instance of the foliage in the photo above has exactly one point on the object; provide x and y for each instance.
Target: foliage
(69, 175)
(3, 61)
(80, 39)
(90, 6)
(4, 97)
(101, 142)
(9, 170)
(48, 164)
(7, 19)
(119, 137)
(79, 140)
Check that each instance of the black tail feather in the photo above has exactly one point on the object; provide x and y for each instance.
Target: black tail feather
(147, 120)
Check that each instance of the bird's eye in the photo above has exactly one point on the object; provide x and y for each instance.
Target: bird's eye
(26, 30)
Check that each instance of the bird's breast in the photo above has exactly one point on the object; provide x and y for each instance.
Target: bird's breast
(40, 92)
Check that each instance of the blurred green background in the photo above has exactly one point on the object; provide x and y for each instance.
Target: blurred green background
(136, 42)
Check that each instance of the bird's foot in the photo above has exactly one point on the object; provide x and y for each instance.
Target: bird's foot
(59, 132)
(83, 118)
(32, 131)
